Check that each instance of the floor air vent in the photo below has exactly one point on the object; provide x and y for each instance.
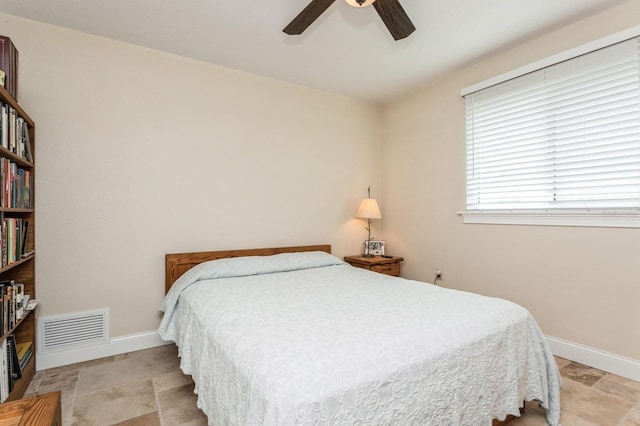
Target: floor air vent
(69, 331)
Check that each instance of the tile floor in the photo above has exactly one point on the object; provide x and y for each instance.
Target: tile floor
(146, 388)
(590, 397)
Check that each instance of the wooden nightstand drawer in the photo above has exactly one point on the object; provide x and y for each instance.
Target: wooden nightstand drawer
(389, 269)
(382, 265)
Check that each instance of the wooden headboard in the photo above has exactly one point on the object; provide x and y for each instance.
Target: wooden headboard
(178, 263)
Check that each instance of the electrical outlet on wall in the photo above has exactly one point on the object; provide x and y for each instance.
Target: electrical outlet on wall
(438, 275)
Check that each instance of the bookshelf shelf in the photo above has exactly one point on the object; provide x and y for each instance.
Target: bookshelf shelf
(17, 236)
(17, 326)
(15, 158)
(14, 210)
(17, 263)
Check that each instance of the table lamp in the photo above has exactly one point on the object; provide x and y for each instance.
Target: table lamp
(368, 210)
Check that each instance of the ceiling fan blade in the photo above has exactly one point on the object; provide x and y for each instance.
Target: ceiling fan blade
(395, 18)
(307, 16)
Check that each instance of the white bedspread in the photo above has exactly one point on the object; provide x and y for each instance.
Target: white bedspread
(324, 343)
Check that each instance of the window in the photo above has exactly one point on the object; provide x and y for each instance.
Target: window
(562, 141)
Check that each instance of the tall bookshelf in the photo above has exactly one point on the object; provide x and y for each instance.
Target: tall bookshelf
(17, 206)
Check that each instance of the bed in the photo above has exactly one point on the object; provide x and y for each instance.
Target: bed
(289, 336)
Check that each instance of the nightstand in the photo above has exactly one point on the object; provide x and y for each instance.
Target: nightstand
(383, 265)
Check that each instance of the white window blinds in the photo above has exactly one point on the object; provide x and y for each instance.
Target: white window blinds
(563, 137)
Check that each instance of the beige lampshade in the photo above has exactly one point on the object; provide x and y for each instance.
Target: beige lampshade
(369, 209)
(354, 3)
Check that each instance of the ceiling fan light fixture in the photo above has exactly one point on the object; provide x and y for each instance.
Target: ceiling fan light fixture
(359, 3)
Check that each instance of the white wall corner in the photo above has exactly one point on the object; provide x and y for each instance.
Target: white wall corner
(116, 346)
(605, 361)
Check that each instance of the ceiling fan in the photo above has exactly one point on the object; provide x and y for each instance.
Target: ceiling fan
(390, 11)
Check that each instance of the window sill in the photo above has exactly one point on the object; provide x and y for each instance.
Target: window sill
(604, 219)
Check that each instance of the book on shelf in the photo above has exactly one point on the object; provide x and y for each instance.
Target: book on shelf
(4, 125)
(14, 236)
(6, 295)
(32, 304)
(25, 353)
(16, 185)
(27, 144)
(13, 117)
(25, 233)
(9, 64)
(4, 372)
(28, 253)
(3, 241)
(10, 370)
(23, 348)
(16, 372)
(19, 295)
(13, 306)
(10, 366)
(14, 133)
(2, 77)
(11, 232)
(7, 307)
(25, 360)
(14, 357)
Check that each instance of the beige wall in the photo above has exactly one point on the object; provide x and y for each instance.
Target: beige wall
(141, 153)
(581, 284)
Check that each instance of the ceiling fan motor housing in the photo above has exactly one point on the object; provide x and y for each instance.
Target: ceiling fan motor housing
(359, 3)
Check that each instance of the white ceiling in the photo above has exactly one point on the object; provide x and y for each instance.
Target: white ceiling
(347, 51)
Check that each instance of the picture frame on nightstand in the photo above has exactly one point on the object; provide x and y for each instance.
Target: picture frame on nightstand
(376, 247)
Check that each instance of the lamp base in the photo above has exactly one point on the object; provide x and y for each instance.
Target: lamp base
(368, 255)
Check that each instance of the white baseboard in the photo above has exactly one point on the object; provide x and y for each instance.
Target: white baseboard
(605, 361)
(116, 346)
(612, 363)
